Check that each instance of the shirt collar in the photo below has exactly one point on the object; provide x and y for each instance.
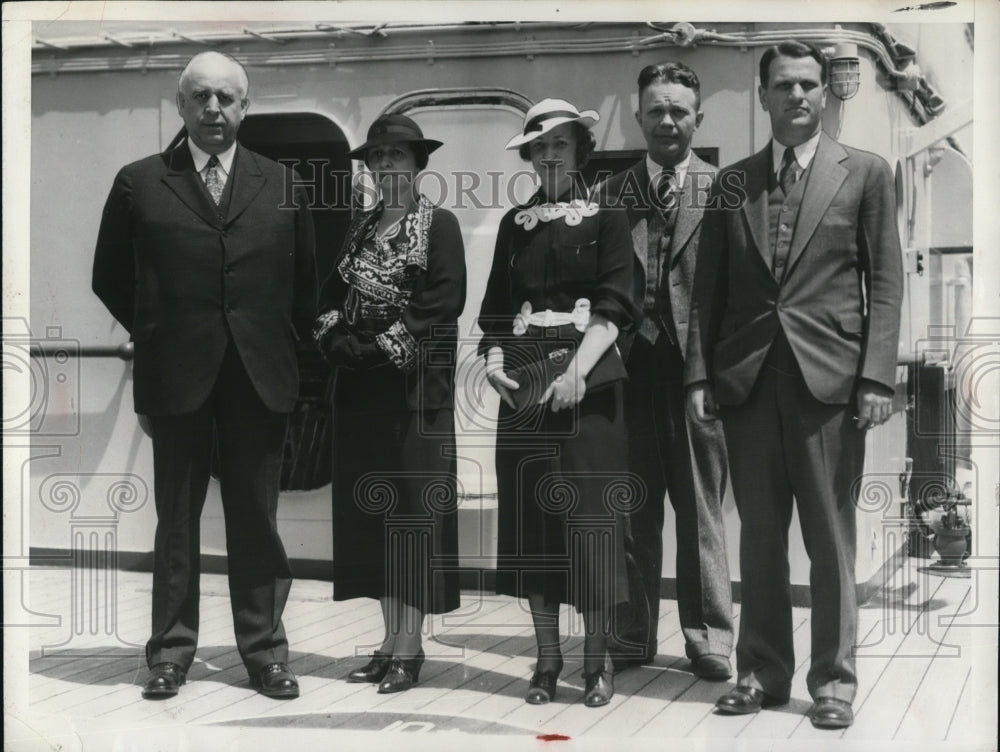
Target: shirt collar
(201, 157)
(680, 169)
(804, 152)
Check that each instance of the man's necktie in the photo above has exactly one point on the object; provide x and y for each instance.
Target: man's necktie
(666, 197)
(790, 171)
(213, 179)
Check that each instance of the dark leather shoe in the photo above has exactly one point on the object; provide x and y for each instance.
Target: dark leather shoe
(744, 700)
(711, 667)
(829, 712)
(402, 674)
(276, 681)
(598, 688)
(374, 671)
(542, 687)
(163, 682)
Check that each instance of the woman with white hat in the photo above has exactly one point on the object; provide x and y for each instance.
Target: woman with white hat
(559, 291)
(389, 325)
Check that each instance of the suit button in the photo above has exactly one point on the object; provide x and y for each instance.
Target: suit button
(229, 269)
(229, 309)
(779, 262)
(220, 216)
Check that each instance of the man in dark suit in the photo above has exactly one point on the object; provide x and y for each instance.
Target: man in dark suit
(664, 196)
(793, 341)
(206, 257)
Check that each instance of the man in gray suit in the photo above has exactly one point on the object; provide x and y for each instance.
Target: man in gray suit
(664, 195)
(793, 340)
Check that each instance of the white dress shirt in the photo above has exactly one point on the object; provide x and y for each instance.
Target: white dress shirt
(201, 157)
(680, 170)
(804, 152)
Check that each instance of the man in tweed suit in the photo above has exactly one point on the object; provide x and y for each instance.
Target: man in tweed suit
(664, 196)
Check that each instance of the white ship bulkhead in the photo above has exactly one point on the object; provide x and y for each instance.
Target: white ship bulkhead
(100, 106)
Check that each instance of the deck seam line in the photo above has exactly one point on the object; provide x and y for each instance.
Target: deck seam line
(888, 663)
(930, 664)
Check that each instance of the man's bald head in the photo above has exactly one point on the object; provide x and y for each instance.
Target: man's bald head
(213, 58)
(212, 100)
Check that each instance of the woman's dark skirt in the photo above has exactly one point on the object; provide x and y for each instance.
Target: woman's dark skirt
(563, 492)
(395, 527)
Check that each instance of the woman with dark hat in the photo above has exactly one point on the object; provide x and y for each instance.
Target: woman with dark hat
(560, 288)
(388, 323)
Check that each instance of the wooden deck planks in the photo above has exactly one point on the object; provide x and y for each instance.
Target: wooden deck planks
(218, 670)
(333, 694)
(479, 661)
(316, 646)
(934, 703)
(568, 715)
(890, 662)
(770, 723)
(782, 722)
(639, 692)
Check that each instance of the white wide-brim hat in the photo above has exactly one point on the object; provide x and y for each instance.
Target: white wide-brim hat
(548, 114)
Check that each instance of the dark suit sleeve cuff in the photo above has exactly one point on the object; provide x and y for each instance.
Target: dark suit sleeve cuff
(890, 390)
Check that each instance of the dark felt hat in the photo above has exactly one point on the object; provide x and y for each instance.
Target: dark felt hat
(393, 129)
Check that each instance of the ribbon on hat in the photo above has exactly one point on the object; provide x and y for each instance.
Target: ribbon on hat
(535, 124)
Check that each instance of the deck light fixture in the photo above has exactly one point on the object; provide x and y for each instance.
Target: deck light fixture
(845, 71)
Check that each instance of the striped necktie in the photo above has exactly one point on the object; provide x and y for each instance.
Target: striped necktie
(790, 171)
(666, 191)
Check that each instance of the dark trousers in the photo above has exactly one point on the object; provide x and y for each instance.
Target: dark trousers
(250, 439)
(686, 460)
(783, 443)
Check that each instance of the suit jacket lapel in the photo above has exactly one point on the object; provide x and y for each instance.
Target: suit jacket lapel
(824, 180)
(248, 182)
(755, 207)
(690, 212)
(187, 184)
(637, 216)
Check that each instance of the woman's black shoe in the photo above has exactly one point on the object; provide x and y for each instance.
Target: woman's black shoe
(542, 687)
(374, 671)
(402, 674)
(598, 688)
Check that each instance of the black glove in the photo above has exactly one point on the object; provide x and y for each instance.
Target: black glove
(339, 346)
(370, 355)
